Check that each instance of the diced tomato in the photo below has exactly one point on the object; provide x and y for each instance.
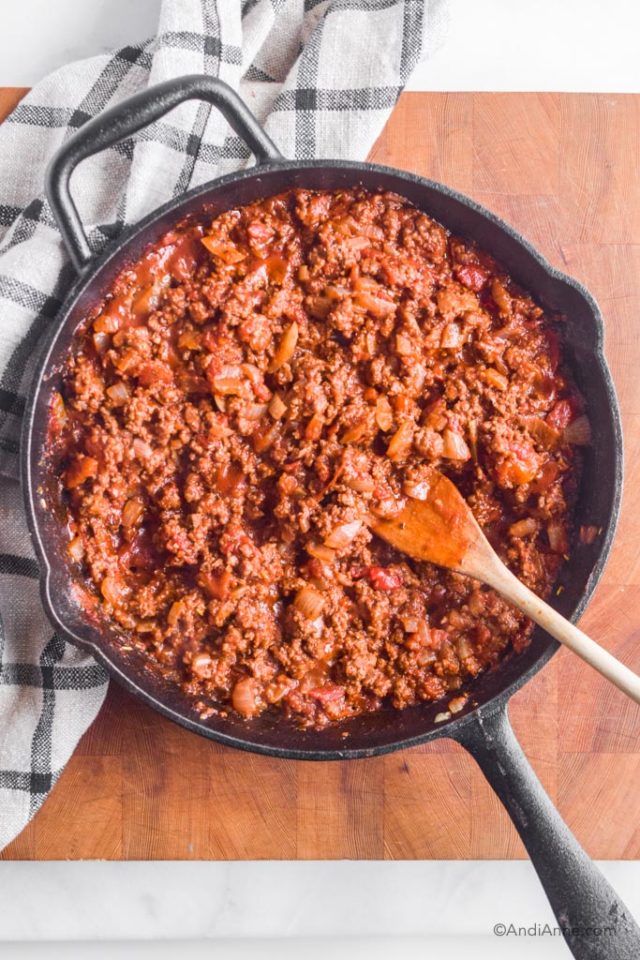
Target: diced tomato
(153, 372)
(185, 257)
(139, 554)
(193, 384)
(234, 541)
(519, 466)
(436, 638)
(228, 478)
(327, 693)
(561, 414)
(384, 579)
(472, 275)
(546, 476)
(83, 468)
(259, 234)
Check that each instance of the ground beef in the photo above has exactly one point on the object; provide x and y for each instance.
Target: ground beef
(255, 387)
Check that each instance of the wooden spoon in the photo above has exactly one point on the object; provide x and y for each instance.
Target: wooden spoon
(443, 530)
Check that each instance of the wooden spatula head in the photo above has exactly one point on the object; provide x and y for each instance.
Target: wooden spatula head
(440, 529)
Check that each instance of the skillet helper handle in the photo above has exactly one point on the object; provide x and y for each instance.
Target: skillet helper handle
(127, 118)
(595, 922)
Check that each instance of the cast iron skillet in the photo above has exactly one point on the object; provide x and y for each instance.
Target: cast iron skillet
(579, 895)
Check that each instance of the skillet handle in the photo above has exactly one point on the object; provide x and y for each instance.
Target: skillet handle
(595, 922)
(124, 120)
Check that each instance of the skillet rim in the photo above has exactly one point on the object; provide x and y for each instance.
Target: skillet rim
(454, 727)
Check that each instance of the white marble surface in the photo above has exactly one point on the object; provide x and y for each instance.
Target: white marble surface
(571, 45)
(276, 906)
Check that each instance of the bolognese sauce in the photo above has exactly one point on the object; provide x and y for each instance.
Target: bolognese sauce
(253, 389)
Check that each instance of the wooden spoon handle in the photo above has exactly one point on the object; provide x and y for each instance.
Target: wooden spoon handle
(502, 580)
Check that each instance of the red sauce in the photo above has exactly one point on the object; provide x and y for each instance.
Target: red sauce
(254, 387)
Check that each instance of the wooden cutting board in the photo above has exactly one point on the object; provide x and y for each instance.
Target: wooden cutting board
(565, 170)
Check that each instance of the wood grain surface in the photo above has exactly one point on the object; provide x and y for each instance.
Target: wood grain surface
(565, 170)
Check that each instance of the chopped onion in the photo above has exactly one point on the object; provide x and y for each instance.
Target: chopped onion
(356, 243)
(286, 347)
(254, 411)
(256, 379)
(189, 340)
(141, 449)
(542, 432)
(451, 337)
(342, 535)
(588, 534)
(454, 447)
(309, 602)
(472, 430)
(112, 589)
(464, 648)
(578, 432)
(501, 296)
(263, 439)
(175, 611)
(384, 414)
(244, 698)
(147, 300)
(107, 323)
(313, 430)
(228, 383)
(76, 549)
(277, 407)
(101, 342)
(495, 379)
(400, 443)
(202, 666)
(404, 347)
(361, 484)
(226, 252)
(557, 537)
(118, 393)
(321, 552)
(457, 704)
(58, 410)
(132, 511)
(523, 528)
(417, 490)
(355, 433)
(376, 306)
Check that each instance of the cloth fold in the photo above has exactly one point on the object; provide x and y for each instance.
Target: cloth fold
(322, 76)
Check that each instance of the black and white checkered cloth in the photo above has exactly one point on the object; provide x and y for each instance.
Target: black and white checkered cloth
(322, 75)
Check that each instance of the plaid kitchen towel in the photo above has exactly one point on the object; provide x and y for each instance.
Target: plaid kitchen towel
(322, 75)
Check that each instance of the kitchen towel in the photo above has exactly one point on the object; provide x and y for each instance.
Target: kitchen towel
(322, 76)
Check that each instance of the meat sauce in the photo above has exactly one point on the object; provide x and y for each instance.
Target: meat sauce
(253, 389)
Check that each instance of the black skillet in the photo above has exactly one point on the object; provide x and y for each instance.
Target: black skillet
(579, 894)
